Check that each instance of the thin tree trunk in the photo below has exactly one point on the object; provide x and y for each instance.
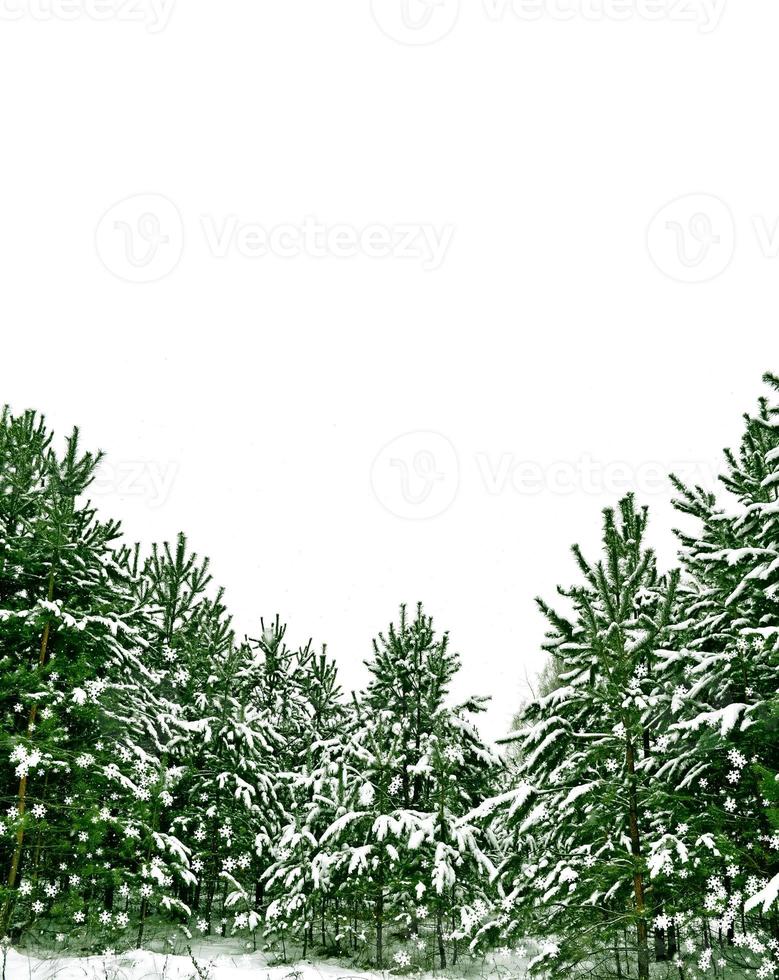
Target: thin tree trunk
(455, 949)
(638, 879)
(210, 902)
(617, 959)
(21, 795)
(222, 919)
(39, 834)
(141, 921)
(380, 927)
(440, 937)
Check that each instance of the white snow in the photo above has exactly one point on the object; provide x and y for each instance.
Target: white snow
(218, 962)
(144, 965)
(767, 896)
(725, 717)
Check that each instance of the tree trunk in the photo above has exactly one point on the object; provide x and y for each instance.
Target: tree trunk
(638, 879)
(454, 943)
(141, 921)
(380, 928)
(440, 937)
(21, 795)
(210, 889)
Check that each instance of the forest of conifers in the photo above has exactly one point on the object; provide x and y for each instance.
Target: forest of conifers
(163, 778)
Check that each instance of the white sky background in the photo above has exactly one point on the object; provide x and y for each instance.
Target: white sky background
(262, 388)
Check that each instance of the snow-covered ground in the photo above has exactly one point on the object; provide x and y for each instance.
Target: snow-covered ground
(216, 963)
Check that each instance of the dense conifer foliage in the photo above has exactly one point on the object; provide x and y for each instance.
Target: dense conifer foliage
(162, 777)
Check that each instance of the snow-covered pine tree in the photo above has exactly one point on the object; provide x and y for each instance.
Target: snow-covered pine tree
(278, 677)
(463, 774)
(67, 617)
(580, 822)
(414, 769)
(207, 747)
(310, 786)
(154, 733)
(720, 682)
(281, 681)
(445, 771)
(362, 856)
(234, 783)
